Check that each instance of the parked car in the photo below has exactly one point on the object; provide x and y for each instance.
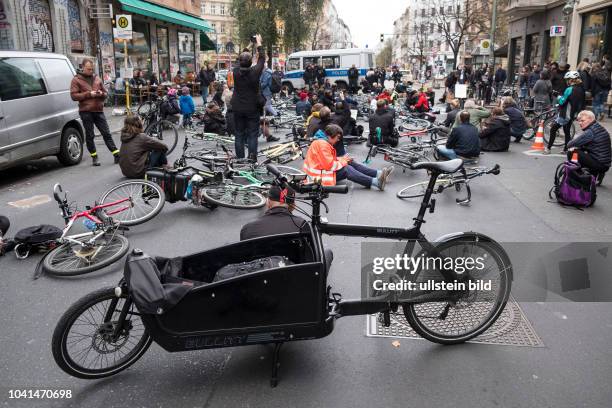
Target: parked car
(37, 116)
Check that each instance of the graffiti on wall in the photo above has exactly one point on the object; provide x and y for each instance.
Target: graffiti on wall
(74, 22)
(6, 36)
(39, 25)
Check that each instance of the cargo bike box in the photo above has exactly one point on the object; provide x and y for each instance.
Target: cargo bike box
(184, 308)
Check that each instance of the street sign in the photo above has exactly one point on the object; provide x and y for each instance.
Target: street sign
(485, 44)
(557, 31)
(124, 27)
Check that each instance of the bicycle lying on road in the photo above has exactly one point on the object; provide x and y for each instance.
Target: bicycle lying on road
(179, 304)
(126, 204)
(459, 180)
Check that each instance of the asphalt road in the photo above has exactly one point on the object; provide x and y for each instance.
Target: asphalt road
(346, 368)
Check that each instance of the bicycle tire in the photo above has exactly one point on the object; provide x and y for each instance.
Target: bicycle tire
(73, 258)
(60, 341)
(426, 319)
(226, 195)
(165, 131)
(141, 194)
(559, 141)
(414, 190)
(144, 108)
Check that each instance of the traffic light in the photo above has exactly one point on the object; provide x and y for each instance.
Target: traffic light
(382, 38)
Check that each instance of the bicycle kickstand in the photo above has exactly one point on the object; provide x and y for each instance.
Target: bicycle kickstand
(275, 364)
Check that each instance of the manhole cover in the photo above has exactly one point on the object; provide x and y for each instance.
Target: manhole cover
(512, 328)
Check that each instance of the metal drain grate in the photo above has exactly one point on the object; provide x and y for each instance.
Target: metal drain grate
(511, 329)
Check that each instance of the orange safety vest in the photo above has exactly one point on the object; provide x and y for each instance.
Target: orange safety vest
(321, 163)
(230, 79)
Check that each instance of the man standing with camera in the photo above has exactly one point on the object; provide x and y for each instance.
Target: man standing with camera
(247, 101)
(89, 91)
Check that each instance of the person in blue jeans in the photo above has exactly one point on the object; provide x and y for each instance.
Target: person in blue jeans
(187, 106)
(463, 140)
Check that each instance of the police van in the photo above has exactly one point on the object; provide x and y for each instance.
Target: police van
(336, 63)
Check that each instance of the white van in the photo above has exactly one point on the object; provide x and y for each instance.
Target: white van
(37, 116)
(336, 63)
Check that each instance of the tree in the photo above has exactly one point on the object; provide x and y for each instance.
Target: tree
(455, 24)
(420, 35)
(321, 36)
(266, 16)
(385, 56)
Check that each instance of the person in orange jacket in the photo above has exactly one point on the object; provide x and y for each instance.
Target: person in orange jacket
(322, 164)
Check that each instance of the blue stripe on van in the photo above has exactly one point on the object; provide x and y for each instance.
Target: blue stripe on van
(336, 72)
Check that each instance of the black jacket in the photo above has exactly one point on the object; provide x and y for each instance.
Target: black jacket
(496, 136)
(277, 220)
(517, 119)
(464, 140)
(320, 73)
(246, 97)
(596, 141)
(316, 124)
(353, 74)
(450, 117)
(500, 75)
(382, 118)
(600, 81)
(206, 77)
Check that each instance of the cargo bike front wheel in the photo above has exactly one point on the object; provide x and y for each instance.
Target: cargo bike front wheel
(99, 336)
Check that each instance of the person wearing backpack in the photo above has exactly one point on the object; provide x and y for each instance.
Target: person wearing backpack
(265, 84)
(170, 107)
(600, 86)
(592, 146)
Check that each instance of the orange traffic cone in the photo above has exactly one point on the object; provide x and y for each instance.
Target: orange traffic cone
(574, 157)
(538, 143)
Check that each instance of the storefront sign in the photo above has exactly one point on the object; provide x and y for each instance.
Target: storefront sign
(557, 31)
(124, 27)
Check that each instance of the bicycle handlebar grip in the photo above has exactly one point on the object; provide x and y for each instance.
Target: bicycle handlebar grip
(273, 170)
(57, 189)
(336, 189)
(495, 170)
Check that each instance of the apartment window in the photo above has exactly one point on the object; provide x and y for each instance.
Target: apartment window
(433, 11)
(213, 26)
(213, 9)
(449, 9)
(415, 13)
(439, 28)
(203, 8)
(222, 29)
(441, 9)
(222, 9)
(458, 8)
(430, 44)
(439, 45)
(431, 28)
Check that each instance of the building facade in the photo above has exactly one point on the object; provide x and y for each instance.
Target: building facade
(329, 31)
(399, 41)
(586, 24)
(165, 36)
(224, 33)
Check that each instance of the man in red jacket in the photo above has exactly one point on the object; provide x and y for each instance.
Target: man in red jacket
(89, 91)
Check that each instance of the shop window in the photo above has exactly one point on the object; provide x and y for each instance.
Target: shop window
(163, 51)
(20, 78)
(593, 36)
(186, 52)
(74, 22)
(39, 25)
(139, 50)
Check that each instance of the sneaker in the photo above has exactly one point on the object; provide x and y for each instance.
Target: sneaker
(382, 180)
(272, 139)
(95, 161)
(388, 171)
(116, 158)
(546, 151)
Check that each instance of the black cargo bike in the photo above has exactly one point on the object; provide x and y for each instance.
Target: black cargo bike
(178, 303)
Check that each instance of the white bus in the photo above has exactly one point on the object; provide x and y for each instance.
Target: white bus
(336, 63)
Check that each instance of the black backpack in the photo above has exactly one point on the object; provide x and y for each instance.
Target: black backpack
(38, 234)
(276, 83)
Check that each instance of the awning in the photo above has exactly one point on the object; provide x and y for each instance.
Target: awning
(165, 14)
(206, 43)
(501, 51)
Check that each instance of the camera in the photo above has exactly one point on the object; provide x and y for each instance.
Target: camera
(253, 39)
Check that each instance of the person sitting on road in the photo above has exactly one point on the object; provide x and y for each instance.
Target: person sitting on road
(452, 114)
(477, 113)
(592, 146)
(341, 115)
(422, 104)
(214, 122)
(518, 123)
(319, 123)
(463, 140)
(382, 126)
(314, 113)
(495, 137)
(278, 219)
(385, 94)
(138, 151)
(322, 163)
(170, 107)
(303, 107)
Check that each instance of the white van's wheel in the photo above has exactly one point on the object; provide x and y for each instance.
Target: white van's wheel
(289, 86)
(71, 147)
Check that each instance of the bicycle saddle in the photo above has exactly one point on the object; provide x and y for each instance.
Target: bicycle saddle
(447, 167)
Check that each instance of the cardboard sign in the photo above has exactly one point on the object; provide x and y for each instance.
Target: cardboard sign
(461, 91)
